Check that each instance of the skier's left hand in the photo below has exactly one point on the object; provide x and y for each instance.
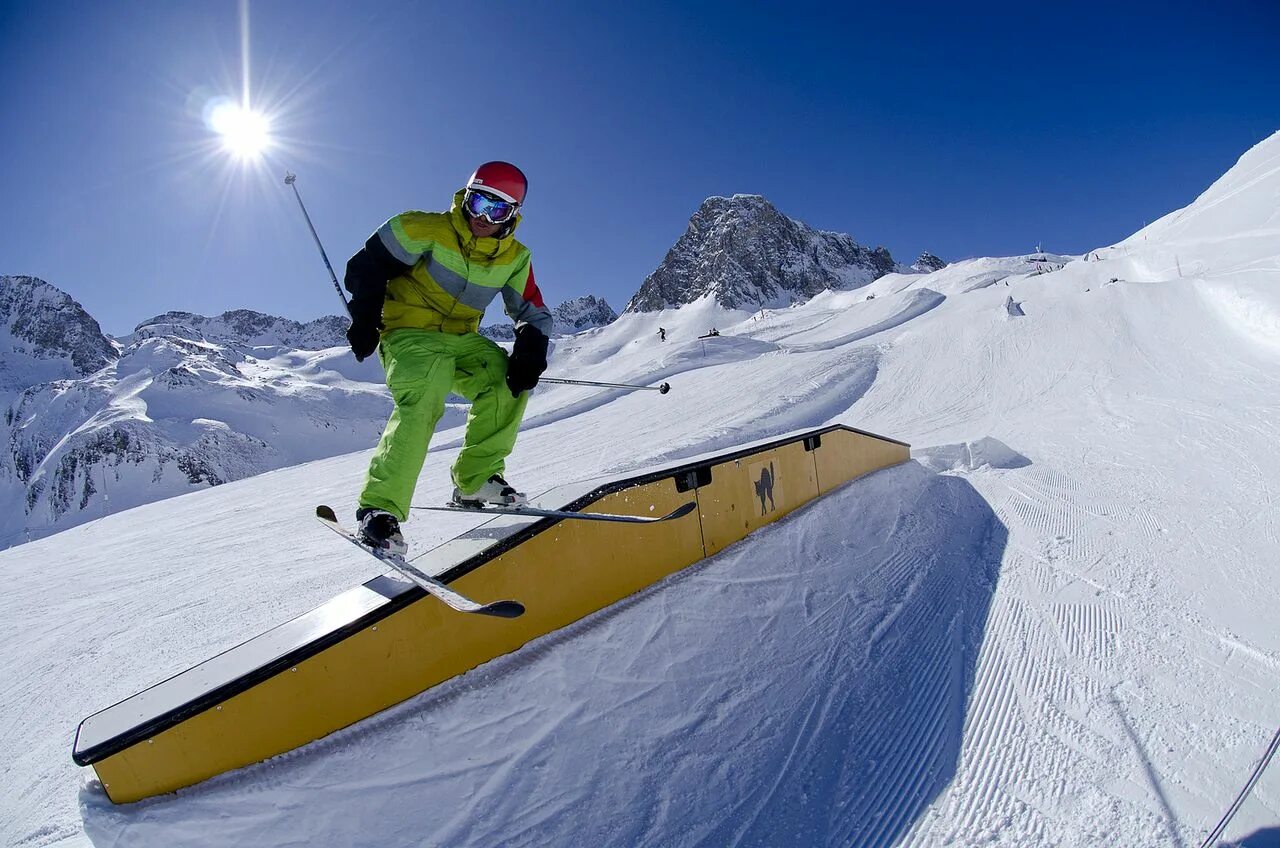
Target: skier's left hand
(528, 360)
(364, 338)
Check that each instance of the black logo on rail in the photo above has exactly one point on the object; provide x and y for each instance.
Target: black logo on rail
(764, 489)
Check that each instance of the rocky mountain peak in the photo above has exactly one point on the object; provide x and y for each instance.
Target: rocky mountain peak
(747, 254)
(583, 313)
(927, 264)
(46, 335)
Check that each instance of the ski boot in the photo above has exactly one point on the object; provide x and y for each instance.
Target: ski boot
(380, 530)
(494, 492)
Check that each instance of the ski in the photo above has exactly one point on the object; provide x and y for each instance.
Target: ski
(461, 603)
(538, 512)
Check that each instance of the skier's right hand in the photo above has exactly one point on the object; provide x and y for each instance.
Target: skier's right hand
(363, 337)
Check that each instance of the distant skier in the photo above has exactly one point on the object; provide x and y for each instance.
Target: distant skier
(662, 334)
(419, 288)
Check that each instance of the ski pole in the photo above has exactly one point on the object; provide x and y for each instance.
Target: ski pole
(292, 181)
(661, 388)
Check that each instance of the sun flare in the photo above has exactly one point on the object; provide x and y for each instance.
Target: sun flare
(244, 132)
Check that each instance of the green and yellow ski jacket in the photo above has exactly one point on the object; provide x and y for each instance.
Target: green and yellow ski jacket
(427, 270)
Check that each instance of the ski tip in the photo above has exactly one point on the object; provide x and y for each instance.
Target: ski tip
(503, 609)
(326, 513)
(683, 510)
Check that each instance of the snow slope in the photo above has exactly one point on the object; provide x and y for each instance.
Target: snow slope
(1056, 626)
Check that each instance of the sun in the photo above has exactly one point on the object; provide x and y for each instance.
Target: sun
(244, 132)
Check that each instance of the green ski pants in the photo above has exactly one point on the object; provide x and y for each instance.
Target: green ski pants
(423, 367)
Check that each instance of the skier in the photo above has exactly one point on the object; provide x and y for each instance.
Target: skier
(419, 288)
(662, 334)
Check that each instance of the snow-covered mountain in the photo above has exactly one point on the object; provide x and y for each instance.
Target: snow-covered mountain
(184, 402)
(45, 335)
(572, 316)
(246, 328)
(503, 332)
(748, 255)
(927, 263)
(583, 313)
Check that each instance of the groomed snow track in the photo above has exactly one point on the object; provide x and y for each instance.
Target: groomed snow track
(387, 640)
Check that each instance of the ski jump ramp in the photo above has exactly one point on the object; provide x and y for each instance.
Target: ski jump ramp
(388, 640)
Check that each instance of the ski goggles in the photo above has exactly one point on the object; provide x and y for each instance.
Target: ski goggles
(495, 210)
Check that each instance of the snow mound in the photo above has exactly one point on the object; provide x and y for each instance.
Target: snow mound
(713, 351)
(1252, 310)
(970, 275)
(970, 456)
(914, 304)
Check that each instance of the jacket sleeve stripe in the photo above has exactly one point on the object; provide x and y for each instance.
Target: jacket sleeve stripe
(399, 244)
(532, 294)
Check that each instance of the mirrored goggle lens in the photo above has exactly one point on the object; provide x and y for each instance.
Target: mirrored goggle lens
(491, 208)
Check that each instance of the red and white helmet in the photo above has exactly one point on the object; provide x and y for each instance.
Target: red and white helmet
(501, 179)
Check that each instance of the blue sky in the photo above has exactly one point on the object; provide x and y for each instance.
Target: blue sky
(973, 130)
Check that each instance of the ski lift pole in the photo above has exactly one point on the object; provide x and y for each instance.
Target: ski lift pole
(661, 388)
(291, 180)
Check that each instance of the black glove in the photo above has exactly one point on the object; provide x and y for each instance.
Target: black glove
(528, 360)
(363, 337)
(367, 275)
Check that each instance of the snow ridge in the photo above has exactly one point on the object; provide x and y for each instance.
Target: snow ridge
(244, 327)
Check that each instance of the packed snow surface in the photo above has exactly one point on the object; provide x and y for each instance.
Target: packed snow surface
(1055, 626)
